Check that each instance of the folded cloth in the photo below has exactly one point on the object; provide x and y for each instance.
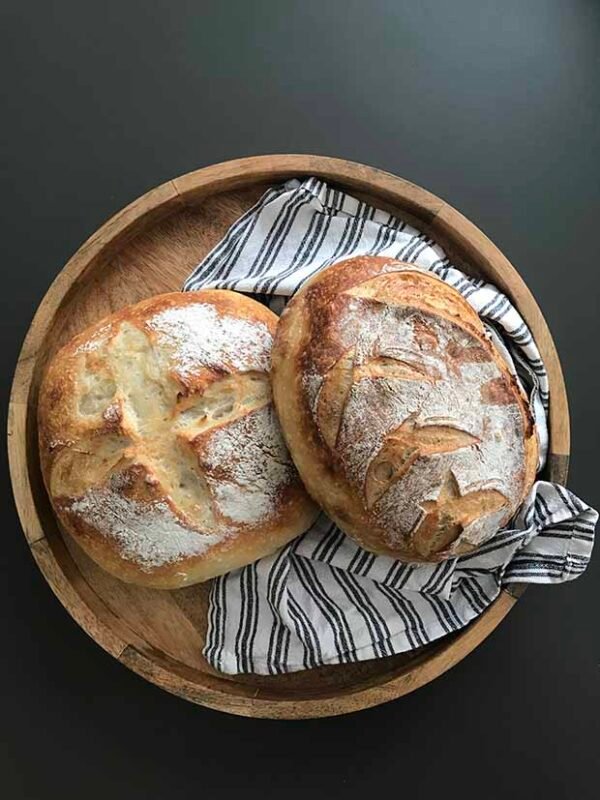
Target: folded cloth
(322, 599)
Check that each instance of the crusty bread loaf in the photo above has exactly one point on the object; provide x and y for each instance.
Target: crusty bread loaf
(403, 419)
(159, 444)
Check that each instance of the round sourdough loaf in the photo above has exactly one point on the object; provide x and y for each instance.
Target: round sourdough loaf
(403, 418)
(160, 448)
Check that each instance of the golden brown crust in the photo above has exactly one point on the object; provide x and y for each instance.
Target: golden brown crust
(403, 419)
(159, 444)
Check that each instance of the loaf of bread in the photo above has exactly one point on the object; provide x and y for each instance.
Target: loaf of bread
(160, 448)
(403, 418)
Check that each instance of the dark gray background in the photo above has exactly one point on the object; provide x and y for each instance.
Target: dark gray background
(492, 105)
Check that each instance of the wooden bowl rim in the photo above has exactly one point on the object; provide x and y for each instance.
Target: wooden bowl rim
(189, 189)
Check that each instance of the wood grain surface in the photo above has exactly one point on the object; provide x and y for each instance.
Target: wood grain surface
(150, 247)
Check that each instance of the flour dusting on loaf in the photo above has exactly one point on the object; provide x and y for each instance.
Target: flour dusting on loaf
(201, 337)
(454, 398)
(148, 533)
(159, 445)
(246, 465)
(404, 420)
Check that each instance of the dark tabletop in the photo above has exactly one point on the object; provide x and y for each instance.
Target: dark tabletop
(495, 107)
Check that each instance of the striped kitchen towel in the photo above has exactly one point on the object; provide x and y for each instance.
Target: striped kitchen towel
(322, 599)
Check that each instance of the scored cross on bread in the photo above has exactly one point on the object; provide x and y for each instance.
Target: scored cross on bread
(160, 446)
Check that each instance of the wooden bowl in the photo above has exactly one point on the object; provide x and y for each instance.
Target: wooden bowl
(150, 247)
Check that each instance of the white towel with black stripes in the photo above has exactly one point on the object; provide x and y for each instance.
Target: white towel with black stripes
(322, 599)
